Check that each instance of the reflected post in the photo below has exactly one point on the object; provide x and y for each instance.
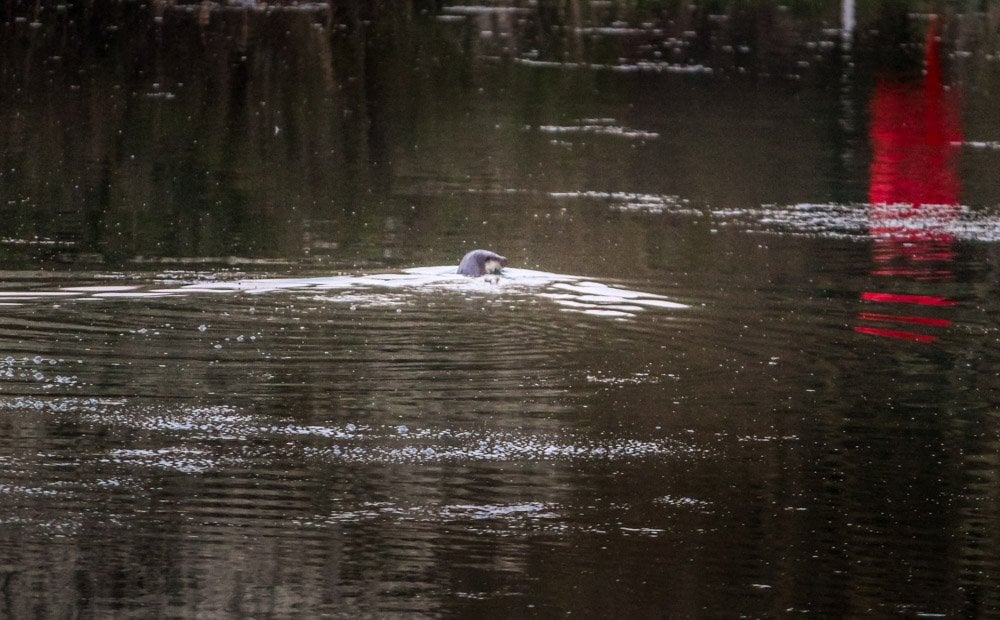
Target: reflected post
(913, 200)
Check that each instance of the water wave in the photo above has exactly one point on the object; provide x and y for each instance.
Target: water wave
(571, 293)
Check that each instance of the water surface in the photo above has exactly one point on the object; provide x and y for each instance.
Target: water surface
(744, 360)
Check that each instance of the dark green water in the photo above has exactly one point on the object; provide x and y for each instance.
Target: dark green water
(754, 369)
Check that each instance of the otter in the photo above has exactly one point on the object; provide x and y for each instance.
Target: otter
(481, 262)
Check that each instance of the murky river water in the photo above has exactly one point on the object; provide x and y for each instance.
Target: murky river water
(744, 361)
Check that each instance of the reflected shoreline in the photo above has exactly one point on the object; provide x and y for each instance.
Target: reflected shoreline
(193, 131)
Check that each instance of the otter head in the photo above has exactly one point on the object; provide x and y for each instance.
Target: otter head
(481, 262)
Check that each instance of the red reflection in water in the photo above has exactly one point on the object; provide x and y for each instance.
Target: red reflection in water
(914, 191)
(891, 333)
(896, 298)
(912, 320)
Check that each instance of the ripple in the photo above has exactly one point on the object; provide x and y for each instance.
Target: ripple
(830, 220)
(637, 67)
(635, 379)
(484, 10)
(683, 502)
(602, 127)
(222, 434)
(988, 145)
(181, 459)
(633, 201)
(7, 489)
(536, 510)
(434, 446)
(864, 220)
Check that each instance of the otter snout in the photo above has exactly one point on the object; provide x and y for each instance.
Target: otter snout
(481, 262)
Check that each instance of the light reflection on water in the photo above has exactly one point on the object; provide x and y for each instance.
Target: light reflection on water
(229, 385)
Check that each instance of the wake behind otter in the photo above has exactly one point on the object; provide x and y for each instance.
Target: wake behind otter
(571, 293)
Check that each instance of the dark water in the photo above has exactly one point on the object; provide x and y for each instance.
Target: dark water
(747, 362)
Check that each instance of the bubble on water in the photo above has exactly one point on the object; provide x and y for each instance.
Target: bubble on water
(240, 338)
(217, 346)
(402, 429)
(202, 328)
(37, 359)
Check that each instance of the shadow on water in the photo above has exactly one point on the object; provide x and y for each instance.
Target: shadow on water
(743, 360)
